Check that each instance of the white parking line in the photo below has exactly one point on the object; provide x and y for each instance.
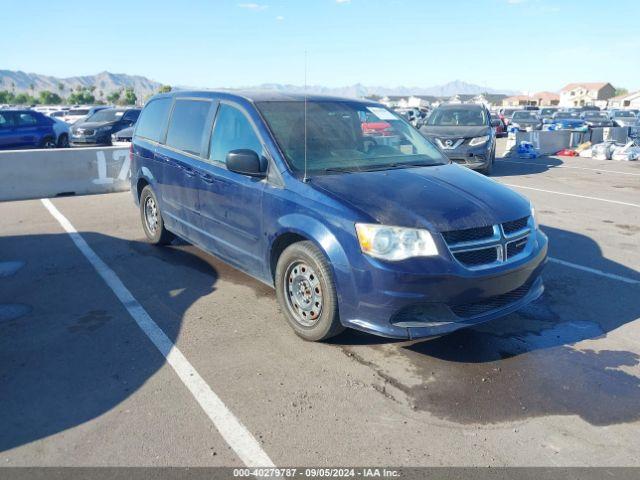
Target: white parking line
(574, 195)
(613, 276)
(232, 430)
(577, 168)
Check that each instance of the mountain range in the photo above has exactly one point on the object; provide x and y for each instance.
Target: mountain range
(107, 82)
(358, 90)
(104, 82)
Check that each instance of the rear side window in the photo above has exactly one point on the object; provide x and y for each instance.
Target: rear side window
(187, 125)
(232, 131)
(27, 120)
(153, 118)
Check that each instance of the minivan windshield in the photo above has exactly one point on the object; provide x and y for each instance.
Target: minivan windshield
(344, 136)
(458, 117)
(108, 115)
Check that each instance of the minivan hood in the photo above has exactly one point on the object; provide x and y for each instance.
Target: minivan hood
(441, 198)
(453, 131)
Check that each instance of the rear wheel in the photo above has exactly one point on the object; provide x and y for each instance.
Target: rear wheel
(306, 292)
(151, 217)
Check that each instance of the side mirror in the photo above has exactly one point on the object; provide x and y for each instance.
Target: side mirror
(495, 122)
(246, 162)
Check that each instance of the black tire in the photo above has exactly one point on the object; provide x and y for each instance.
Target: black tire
(48, 142)
(153, 225)
(318, 318)
(63, 141)
(489, 168)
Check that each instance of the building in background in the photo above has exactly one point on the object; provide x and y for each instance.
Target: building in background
(539, 99)
(628, 100)
(583, 94)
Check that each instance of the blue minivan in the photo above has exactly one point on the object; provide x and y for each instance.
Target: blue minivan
(367, 228)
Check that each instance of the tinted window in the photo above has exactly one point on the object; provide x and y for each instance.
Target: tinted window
(232, 131)
(457, 116)
(6, 119)
(187, 125)
(153, 119)
(27, 120)
(132, 115)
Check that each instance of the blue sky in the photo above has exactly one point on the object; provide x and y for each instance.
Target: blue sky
(524, 45)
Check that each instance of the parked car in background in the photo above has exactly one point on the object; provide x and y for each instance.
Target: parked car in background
(596, 119)
(123, 136)
(97, 129)
(567, 121)
(26, 129)
(62, 131)
(622, 118)
(507, 113)
(465, 134)
(499, 128)
(546, 113)
(379, 234)
(78, 114)
(526, 120)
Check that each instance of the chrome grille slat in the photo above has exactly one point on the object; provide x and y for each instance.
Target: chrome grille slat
(489, 246)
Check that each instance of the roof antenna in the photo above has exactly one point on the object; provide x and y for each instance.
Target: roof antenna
(305, 179)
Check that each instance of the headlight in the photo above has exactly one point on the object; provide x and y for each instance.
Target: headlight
(478, 140)
(533, 216)
(395, 243)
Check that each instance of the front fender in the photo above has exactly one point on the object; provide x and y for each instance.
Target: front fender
(330, 240)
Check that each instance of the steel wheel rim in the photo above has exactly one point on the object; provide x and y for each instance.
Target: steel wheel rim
(151, 214)
(303, 292)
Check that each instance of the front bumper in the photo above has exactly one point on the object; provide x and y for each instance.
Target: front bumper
(476, 157)
(433, 296)
(90, 140)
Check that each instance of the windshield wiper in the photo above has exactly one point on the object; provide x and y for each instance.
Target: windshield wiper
(390, 166)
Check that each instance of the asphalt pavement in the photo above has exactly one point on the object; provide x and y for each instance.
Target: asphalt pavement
(84, 380)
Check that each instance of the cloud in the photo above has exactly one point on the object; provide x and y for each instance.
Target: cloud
(343, 1)
(253, 6)
(515, 2)
(279, 18)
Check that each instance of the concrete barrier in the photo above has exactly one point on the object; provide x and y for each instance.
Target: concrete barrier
(609, 134)
(26, 174)
(546, 142)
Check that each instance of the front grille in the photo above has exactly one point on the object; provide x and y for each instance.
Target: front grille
(470, 310)
(514, 248)
(477, 257)
(515, 225)
(84, 132)
(468, 235)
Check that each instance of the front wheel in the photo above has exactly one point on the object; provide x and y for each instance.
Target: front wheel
(63, 141)
(152, 222)
(48, 142)
(489, 168)
(306, 292)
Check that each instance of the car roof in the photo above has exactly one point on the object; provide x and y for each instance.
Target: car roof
(470, 106)
(263, 96)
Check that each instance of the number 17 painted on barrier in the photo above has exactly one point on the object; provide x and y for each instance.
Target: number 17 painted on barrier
(118, 156)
